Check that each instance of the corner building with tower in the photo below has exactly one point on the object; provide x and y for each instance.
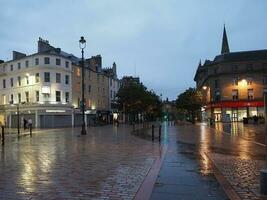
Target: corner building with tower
(232, 84)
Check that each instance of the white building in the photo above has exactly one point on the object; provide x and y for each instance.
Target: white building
(39, 85)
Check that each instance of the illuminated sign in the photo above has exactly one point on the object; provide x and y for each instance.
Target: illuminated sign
(46, 90)
(55, 111)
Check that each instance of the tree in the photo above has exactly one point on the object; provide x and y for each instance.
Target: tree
(135, 99)
(190, 101)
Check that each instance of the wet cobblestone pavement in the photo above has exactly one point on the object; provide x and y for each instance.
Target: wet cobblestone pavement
(107, 163)
(242, 174)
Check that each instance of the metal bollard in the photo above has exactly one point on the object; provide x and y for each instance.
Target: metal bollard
(3, 135)
(31, 130)
(152, 132)
(159, 133)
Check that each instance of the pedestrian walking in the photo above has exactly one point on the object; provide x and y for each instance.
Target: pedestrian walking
(30, 125)
(24, 123)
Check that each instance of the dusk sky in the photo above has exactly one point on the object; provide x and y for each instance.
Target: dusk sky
(161, 41)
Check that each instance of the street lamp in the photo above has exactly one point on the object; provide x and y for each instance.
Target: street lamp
(82, 45)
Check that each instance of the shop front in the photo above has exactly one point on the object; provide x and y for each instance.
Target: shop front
(234, 111)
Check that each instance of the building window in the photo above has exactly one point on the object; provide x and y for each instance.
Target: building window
(250, 94)
(19, 66)
(47, 77)
(111, 94)
(11, 67)
(36, 61)
(235, 81)
(19, 81)
(217, 96)
(235, 94)
(111, 82)
(26, 63)
(249, 81)
(89, 88)
(11, 98)
(27, 96)
(67, 64)
(27, 80)
(67, 79)
(97, 77)
(37, 78)
(67, 97)
(11, 82)
(58, 77)
(4, 83)
(234, 68)
(58, 61)
(19, 97)
(216, 83)
(37, 96)
(47, 60)
(249, 67)
(265, 79)
(78, 72)
(58, 96)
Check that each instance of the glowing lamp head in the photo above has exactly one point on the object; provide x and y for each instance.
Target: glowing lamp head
(204, 87)
(243, 82)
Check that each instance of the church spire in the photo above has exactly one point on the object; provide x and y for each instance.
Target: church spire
(225, 46)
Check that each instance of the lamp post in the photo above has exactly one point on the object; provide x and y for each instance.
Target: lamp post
(263, 172)
(18, 120)
(82, 44)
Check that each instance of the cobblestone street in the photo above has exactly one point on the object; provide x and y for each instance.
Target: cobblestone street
(107, 163)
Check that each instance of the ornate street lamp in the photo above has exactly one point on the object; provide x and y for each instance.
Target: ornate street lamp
(82, 44)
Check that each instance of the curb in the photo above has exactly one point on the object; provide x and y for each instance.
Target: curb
(226, 186)
(145, 190)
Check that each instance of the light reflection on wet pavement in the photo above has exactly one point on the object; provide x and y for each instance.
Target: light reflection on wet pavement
(238, 159)
(107, 163)
(250, 132)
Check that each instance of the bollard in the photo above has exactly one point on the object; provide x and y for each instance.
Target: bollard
(159, 133)
(3, 135)
(31, 130)
(152, 132)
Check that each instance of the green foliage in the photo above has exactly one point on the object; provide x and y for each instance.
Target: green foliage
(136, 99)
(190, 101)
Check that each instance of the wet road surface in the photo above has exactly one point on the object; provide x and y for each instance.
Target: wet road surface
(185, 174)
(239, 159)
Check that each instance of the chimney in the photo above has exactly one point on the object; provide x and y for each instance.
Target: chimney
(18, 55)
(43, 45)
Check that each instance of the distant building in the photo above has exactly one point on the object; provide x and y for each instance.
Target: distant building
(232, 84)
(126, 80)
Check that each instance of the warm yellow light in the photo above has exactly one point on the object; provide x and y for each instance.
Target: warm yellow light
(243, 82)
(204, 87)
(27, 74)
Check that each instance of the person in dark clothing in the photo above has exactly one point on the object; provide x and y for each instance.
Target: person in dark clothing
(24, 123)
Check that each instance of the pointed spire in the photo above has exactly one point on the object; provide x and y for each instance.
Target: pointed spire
(199, 64)
(225, 46)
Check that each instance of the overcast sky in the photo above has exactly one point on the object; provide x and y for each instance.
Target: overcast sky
(159, 40)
